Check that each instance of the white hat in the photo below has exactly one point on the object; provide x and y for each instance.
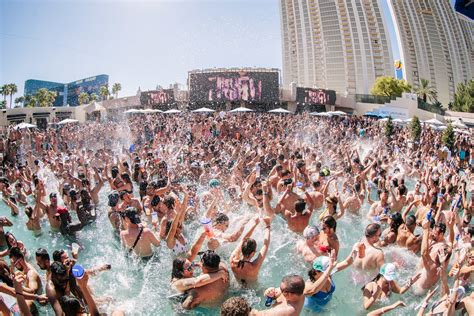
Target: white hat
(389, 271)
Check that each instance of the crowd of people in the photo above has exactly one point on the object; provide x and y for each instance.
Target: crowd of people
(201, 186)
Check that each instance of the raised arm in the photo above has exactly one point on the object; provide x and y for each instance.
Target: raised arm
(236, 254)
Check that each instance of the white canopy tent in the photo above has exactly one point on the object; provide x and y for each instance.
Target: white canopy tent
(172, 111)
(397, 120)
(337, 113)
(433, 122)
(67, 121)
(24, 125)
(320, 114)
(132, 111)
(241, 110)
(203, 110)
(280, 110)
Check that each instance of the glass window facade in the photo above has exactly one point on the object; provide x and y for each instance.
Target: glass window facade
(68, 93)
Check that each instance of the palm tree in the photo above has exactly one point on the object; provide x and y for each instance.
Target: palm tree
(426, 91)
(83, 98)
(13, 89)
(104, 92)
(6, 91)
(94, 97)
(30, 101)
(19, 100)
(3, 91)
(116, 88)
(45, 97)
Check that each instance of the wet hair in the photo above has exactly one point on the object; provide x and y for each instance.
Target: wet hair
(294, 284)
(248, 246)
(235, 306)
(371, 230)
(113, 198)
(15, 252)
(155, 200)
(411, 219)
(397, 220)
(220, 218)
(402, 189)
(29, 211)
(114, 172)
(70, 305)
(285, 173)
(7, 235)
(178, 268)
(126, 178)
(441, 227)
(300, 205)
(42, 253)
(330, 222)
(169, 201)
(210, 259)
(312, 274)
(57, 255)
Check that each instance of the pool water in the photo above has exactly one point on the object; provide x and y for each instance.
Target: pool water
(141, 288)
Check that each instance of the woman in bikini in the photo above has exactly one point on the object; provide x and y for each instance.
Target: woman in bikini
(246, 270)
(382, 286)
(175, 239)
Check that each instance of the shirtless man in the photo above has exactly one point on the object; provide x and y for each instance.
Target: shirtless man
(289, 298)
(137, 238)
(406, 237)
(211, 293)
(129, 201)
(379, 208)
(317, 197)
(374, 257)
(33, 280)
(309, 247)
(51, 211)
(246, 270)
(299, 219)
(431, 257)
(354, 201)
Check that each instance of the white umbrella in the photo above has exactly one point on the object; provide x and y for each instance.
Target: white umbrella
(280, 110)
(408, 120)
(172, 111)
(319, 114)
(458, 124)
(66, 121)
(131, 111)
(337, 113)
(434, 122)
(457, 130)
(384, 119)
(203, 110)
(241, 109)
(150, 111)
(24, 125)
(397, 120)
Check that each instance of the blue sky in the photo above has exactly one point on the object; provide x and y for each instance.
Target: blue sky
(137, 43)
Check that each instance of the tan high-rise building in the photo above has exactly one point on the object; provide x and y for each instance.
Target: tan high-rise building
(435, 44)
(341, 45)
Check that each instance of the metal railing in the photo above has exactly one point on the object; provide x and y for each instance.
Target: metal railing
(433, 108)
(377, 99)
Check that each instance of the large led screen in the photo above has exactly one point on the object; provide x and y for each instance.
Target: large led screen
(158, 97)
(234, 86)
(315, 96)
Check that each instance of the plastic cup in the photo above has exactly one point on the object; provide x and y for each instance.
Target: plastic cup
(78, 271)
(207, 224)
(75, 248)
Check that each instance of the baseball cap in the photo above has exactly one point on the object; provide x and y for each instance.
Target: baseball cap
(310, 232)
(389, 271)
(321, 263)
(213, 183)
